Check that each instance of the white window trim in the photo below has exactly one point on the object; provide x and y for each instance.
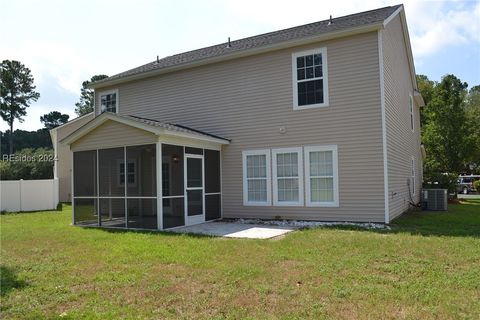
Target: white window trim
(307, 150)
(412, 114)
(104, 93)
(299, 152)
(265, 152)
(413, 174)
(325, 103)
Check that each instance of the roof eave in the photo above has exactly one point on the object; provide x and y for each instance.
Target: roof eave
(417, 96)
(401, 11)
(72, 121)
(234, 55)
(99, 120)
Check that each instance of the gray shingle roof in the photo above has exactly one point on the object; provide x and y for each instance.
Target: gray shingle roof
(276, 37)
(171, 126)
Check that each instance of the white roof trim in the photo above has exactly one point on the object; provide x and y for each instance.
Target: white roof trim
(99, 120)
(72, 121)
(406, 38)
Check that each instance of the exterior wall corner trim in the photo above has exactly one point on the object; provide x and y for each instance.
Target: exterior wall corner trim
(384, 128)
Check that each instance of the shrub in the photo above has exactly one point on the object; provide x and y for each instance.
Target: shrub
(27, 164)
(476, 185)
(441, 181)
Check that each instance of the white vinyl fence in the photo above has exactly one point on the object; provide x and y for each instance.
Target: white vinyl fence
(28, 195)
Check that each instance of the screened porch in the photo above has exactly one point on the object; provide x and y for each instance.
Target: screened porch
(126, 187)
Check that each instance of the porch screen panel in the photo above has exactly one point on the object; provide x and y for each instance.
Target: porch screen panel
(212, 185)
(172, 170)
(111, 172)
(191, 150)
(173, 212)
(141, 171)
(85, 211)
(142, 213)
(112, 212)
(212, 207)
(85, 173)
(212, 171)
(85, 188)
(173, 205)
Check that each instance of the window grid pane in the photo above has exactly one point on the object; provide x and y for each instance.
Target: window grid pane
(321, 163)
(256, 166)
(321, 189)
(288, 189)
(257, 190)
(109, 102)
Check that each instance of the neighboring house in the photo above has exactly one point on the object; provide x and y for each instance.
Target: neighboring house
(316, 122)
(62, 169)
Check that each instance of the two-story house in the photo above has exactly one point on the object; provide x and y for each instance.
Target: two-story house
(315, 122)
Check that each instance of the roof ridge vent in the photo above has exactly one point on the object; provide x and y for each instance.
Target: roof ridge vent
(330, 21)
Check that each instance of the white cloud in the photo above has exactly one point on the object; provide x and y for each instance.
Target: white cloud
(58, 72)
(284, 14)
(437, 25)
(50, 60)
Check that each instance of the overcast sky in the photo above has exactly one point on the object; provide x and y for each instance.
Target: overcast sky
(66, 42)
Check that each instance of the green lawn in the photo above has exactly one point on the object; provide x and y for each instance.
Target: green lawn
(427, 267)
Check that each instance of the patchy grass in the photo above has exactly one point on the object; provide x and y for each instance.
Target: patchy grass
(427, 267)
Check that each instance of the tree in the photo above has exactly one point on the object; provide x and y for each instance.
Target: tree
(54, 119)
(473, 115)
(425, 86)
(16, 93)
(446, 133)
(87, 103)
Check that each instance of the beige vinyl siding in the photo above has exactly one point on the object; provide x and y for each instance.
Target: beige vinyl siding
(249, 99)
(402, 143)
(113, 134)
(63, 165)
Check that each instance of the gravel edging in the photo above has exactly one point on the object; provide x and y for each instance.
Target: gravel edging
(302, 224)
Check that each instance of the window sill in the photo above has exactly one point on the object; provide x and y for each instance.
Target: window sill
(323, 204)
(257, 204)
(311, 106)
(288, 204)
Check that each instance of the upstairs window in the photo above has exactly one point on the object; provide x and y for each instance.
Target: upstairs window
(109, 101)
(310, 88)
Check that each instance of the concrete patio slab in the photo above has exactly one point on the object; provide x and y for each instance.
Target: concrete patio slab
(235, 230)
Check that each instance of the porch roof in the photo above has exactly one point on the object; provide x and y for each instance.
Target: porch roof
(154, 126)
